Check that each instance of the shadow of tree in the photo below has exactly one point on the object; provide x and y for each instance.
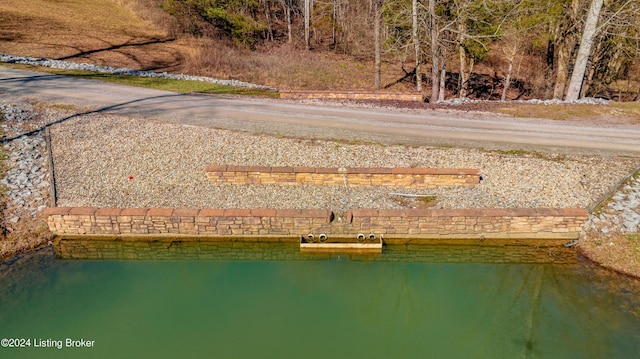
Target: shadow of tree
(126, 44)
(80, 114)
(134, 50)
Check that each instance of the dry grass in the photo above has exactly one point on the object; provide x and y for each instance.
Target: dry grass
(286, 67)
(136, 34)
(628, 112)
(95, 31)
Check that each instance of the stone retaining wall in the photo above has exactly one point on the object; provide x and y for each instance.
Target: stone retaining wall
(288, 225)
(353, 95)
(391, 177)
(470, 223)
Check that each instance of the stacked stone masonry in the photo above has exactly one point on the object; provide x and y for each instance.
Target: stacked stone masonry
(389, 177)
(352, 95)
(291, 224)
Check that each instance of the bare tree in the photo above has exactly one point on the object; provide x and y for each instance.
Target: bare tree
(588, 35)
(564, 43)
(416, 43)
(287, 8)
(307, 24)
(443, 73)
(377, 13)
(435, 53)
(606, 51)
(510, 50)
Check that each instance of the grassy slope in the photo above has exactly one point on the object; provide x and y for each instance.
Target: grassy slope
(97, 31)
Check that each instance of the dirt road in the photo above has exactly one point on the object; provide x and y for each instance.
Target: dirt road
(424, 127)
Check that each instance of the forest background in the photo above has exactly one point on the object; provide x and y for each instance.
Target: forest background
(478, 49)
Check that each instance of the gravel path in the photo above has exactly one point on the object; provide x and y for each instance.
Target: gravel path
(95, 156)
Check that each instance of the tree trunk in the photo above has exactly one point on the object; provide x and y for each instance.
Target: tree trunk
(588, 35)
(597, 56)
(507, 80)
(443, 74)
(376, 30)
(435, 53)
(510, 49)
(334, 24)
(470, 73)
(307, 24)
(462, 81)
(267, 15)
(416, 43)
(561, 68)
(286, 4)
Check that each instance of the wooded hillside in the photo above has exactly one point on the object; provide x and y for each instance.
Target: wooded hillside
(490, 49)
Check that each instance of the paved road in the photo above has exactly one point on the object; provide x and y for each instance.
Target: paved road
(427, 127)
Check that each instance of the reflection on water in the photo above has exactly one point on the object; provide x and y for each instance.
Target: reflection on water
(271, 301)
(160, 250)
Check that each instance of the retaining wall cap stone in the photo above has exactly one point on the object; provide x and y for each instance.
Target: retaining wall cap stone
(134, 212)
(412, 171)
(326, 170)
(83, 210)
(578, 212)
(185, 212)
(216, 169)
(259, 169)
(364, 213)
(281, 169)
(56, 211)
(457, 171)
(237, 212)
(211, 212)
(108, 211)
(299, 169)
(303, 213)
(392, 212)
(159, 212)
(263, 212)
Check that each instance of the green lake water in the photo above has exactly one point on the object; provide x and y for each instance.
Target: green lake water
(155, 300)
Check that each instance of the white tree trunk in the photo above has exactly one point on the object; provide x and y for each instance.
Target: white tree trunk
(307, 23)
(462, 78)
(416, 43)
(588, 35)
(435, 49)
(287, 12)
(507, 81)
(443, 74)
(376, 29)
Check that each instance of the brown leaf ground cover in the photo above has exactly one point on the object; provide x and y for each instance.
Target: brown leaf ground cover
(617, 251)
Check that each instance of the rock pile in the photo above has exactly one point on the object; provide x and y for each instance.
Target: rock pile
(27, 178)
(621, 213)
